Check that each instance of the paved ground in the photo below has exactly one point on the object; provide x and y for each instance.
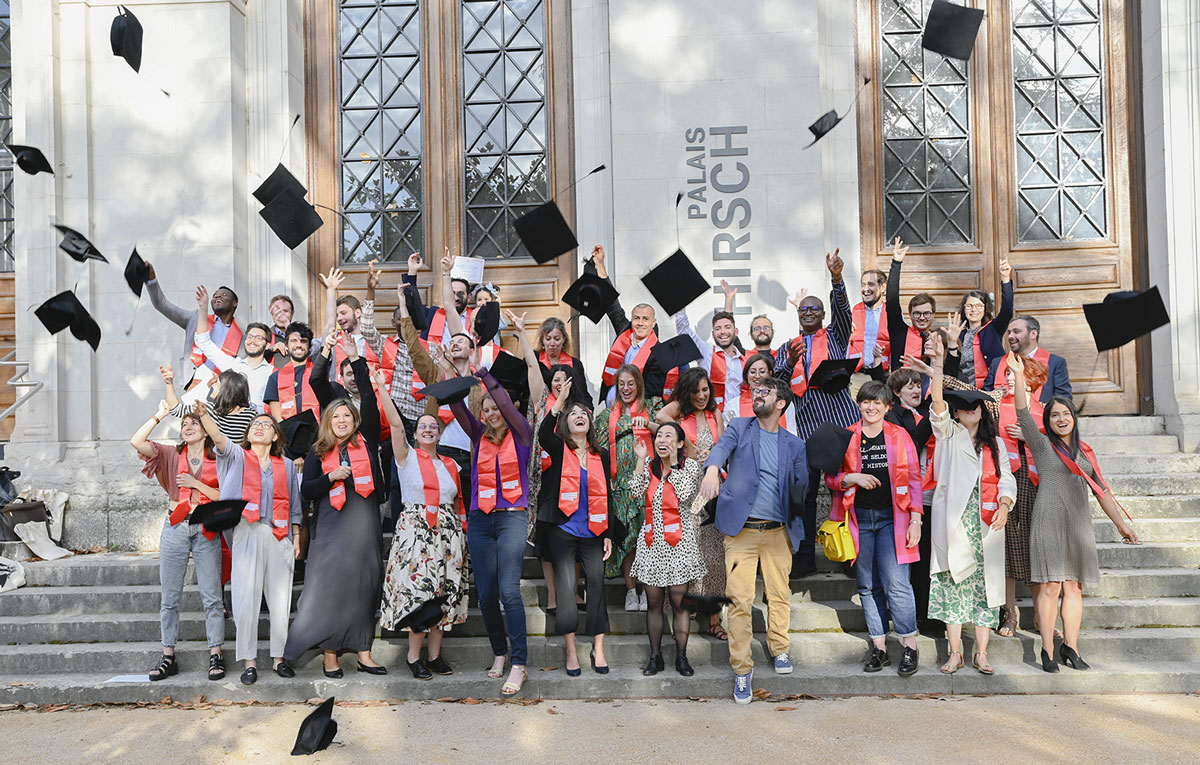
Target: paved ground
(997, 729)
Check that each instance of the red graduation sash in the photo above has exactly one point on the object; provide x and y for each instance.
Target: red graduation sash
(437, 325)
(252, 491)
(616, 355)
(1041, 354)
(231, 344)
(989, 486)
(433, 488)
(563, 359)
(208, 477)
(501, 460)
(857, 348)
(820, 352)
(597, 489)
(672, 525)
(639, 432)
(691, 426)
(716, 376)
(899, 468)
(1097, 484)
(286, 383)
(360, 472)
(1008, 417)
(387, 362)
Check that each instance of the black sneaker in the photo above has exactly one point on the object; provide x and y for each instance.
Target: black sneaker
(908, 663)
(439, 666)
(877, 660)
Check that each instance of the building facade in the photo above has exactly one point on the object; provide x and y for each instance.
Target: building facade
(1068, 144)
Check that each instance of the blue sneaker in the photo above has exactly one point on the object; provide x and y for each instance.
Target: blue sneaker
(783, 664)
(742, 693)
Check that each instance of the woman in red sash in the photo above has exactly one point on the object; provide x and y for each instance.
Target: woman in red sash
(668, 551)
(553, 346)
(1062, 540)
(188, 473)
(982, 335)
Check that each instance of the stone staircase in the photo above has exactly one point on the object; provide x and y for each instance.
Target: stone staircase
(86, 619)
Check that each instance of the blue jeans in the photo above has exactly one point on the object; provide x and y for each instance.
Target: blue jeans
(883, 582)
(496, 541)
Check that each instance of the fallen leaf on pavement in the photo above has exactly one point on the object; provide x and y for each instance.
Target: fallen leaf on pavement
(315, 701)
(9, 707)
(762, 693)
(471, 700)
(549, 669)
(785, 709)
(448, 700)
(552, 711)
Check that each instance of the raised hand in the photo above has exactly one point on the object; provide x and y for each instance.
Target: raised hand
(202, 298)
(200, 410)
(167, 374)
(349, 346)
(598, 255)
(561, 402)
(447, 262)
(728, 289)
(333, 279)
(1017, 365)
(899, 250)
(373, 274)
(916, 363)
(835, 265)
(514, 321)
(414, 263)
(1005, 270)
(954, 324)
(795, 299)
(400, 297)
(639, 449)
(163, 410)
(331, 341)
(150, 271)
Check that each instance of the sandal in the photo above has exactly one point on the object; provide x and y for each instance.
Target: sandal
(1009, 628)
(984, 668)
(511, 688)
(167, 667)
(497, 668)
(717, 631)
(949, 668)
(216, 667)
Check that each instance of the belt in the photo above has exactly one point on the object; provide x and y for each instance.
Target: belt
(763, 525)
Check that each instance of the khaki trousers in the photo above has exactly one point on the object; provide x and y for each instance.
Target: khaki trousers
(743, 555)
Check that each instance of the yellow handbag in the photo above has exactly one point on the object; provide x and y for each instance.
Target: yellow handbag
(835, 538)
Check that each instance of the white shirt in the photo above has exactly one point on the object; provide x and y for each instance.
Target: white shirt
(733, 364)
(412, 485)
(256, 376)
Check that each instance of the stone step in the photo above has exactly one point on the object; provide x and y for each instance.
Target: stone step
(469, 653)
(1154, 484)
(1148, 554)
(1164, 506)
(831, 679)
(1114, 425)
(1116, 446)
(1137, 463)
(1151, 529)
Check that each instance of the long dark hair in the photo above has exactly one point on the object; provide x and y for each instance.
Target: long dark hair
(749, 362)
(685, 389)
(988, 306)
(209, 447)
(986, 433)
(564, 432)
(1055, 440)
(656, 465)
(234, 392)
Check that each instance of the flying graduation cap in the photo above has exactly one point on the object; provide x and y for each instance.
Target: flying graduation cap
(675, 283)
(125, 35)
(591, 295)
(317, 730)
(452, 389)
(951, 29)
(30, 159)
(64, 311)
(544, 231)
(77, 246)
(487, 321)
(830, 119)
(286, 211)
(301, 431)
(137, 272)
(826, 447)
(1125, 316)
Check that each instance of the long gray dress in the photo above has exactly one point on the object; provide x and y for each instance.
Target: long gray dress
(1062, 541)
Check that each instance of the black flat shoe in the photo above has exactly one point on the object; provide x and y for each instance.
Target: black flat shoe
(216, 667)
(682, 666)
(908, 663)
(284, 670)
(439, 666)
(1069, 656)
(250, 676)
(599, 669)
(168, 666)
(1048, 664)
(372, 670)
(574, 672)
(877, 660)
(655, 665)
(333, 674)
(419, 670)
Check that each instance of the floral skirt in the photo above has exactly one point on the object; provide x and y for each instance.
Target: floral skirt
(424, 563)
(964, 602)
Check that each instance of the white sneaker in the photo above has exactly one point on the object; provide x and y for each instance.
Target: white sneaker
(642, 604)
(631, 600)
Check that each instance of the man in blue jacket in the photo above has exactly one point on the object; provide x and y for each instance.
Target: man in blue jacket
(759, 510)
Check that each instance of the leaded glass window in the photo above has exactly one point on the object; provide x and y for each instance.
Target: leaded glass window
(504, 120)
(380, 93)
(1058, 96)
(6, 159)
(927, 174)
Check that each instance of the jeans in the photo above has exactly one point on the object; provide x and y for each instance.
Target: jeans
(496, 541)
(883, 582)
(174, 546)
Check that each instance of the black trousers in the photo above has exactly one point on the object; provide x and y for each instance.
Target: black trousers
(805, 556)
(918, 572)
(565, 551)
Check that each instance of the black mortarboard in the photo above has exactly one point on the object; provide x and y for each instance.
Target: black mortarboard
(966, 399)
(487, 321)
(64, 310)
(451, 390)
(126, 37)
(830, 119)
(30, 159)
(826, 447)
(511, 372)
(591, 296)
(833, 375)
(704, 604)
(416, 308)
(545, 233)
(77, 246)
(300, 430)
(427, 615)
(676, 352)
(675, 283)
(1125, 316)
(137, 272)
(951, 29)
(218, 516)
(280, 180)
(317, 730)
(291, 217)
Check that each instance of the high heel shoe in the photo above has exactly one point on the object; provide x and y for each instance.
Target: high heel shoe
(1069, 656)
(682, 666)
(1048, 663)
(574, 672)
(655, 665)
(599, 669)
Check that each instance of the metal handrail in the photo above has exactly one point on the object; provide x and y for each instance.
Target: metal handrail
(17, 381)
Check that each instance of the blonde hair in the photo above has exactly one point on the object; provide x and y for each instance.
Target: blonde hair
(326, 440)
(495, 435)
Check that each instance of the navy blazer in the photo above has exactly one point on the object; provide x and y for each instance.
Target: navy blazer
(1058, 383)
(737, 451)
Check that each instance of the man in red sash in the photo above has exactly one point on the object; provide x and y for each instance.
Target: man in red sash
(296, 394)
(223, 328)
(1023, 336)
(346, 311)
(722, 359)
(906, 337)
(440, 323)
(393, 355)
(869, 338)
(636, 336)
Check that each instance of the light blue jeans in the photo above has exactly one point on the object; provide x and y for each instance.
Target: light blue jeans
(175, 545)
(883, 582)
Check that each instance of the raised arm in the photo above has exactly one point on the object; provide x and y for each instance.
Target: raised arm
(454, 325)
(319, 374)
(839, 302)
(423, 363)
(522, 432)
(368, 402)
(616, 313)
(730, 293)
(203, 338)
(221, 443)
(683, 326)
(897, 325)
(366, 322)
(999, 324)
(537, 383)
(140, 439)
(173, 312)
(394, 420)
(332, 281)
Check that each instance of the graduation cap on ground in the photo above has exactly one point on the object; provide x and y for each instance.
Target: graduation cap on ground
(704, 604)
(65, 311)
(830, 119)
(451, 390)
(951, 29)
(826, 447)
(218, 516)
(291, 217)
(300, 432)
(675, 283)
(125, 34)
(137, 273)
(1125, 316)
(30, 159)
(833, 375)
(77, 246)
(280, 180)
(317, 730)
(591, 295)
(487, 321)
(426, 616)
(416, 308)
(544, 231)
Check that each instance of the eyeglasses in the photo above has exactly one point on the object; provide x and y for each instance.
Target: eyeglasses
(809, 309)
(764, 392)
(922, 314)
(427, 426)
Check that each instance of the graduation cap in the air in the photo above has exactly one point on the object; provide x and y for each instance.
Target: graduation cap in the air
(427, 615)
(966, 399)
(280, 180)
(951, 29)
(317, 730)
(830, 119)
(126, 37)
(826, 447)
(512, 373)
(300, 432)
(544, 231)
(65, 311)
(291, 216)
(415, 307)
(77, 246)
(704, 604)
(833, 375)
(30, 159)
(1125, 316)
(591, 295)
(487, 321)
(675, 283)
(218, 516)
(137, 272)
(451, 390)
(678, 351)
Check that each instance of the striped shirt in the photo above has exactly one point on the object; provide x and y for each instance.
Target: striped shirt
(402, 375)
(232, 426)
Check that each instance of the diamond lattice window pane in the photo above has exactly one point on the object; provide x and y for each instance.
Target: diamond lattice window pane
(7, 216)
